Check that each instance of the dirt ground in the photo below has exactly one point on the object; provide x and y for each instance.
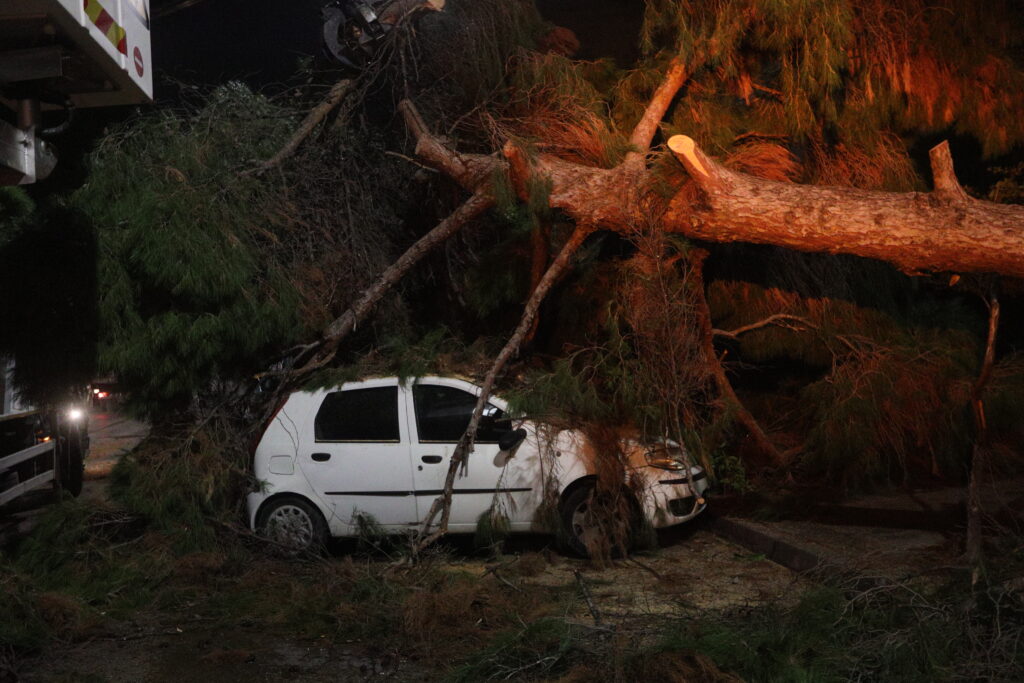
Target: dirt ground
(696, 571)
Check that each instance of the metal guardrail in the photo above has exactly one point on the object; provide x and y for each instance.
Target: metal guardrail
(9, 461)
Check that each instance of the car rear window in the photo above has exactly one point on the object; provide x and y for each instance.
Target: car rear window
(443, 413)
(358, 415)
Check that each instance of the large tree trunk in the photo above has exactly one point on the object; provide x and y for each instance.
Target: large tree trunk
(944, 230)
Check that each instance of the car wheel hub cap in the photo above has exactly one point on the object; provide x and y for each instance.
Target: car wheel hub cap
(583, 526)
(291, 526)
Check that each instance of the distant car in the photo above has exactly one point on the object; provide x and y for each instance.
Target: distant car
(102, 392)
(380, 448)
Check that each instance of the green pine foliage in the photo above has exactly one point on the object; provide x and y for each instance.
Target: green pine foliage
(186, 296)
(463, 55)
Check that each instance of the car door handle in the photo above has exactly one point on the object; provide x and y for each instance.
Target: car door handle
(321, 457)
(431, 459)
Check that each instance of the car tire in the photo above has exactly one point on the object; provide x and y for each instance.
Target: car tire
(576, 526)
(71, 465)
(293, 524)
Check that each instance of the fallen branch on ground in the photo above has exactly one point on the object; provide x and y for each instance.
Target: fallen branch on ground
(443, 503)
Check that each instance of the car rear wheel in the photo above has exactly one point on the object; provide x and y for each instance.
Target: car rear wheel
(294, 524)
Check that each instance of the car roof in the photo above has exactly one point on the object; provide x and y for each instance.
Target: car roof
(383, 381)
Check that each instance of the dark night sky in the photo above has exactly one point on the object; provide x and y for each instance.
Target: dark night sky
(261, 41)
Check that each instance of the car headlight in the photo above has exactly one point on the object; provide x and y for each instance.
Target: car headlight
(75, 414)
(665, 458)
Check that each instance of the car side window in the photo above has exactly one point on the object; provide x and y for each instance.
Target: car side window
(358, 415)
(443, 413)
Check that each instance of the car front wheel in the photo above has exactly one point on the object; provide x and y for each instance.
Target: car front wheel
(70, 465)
(293, 524)
(598, 524)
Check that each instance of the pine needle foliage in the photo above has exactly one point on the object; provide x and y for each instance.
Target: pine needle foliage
(884, 415)
(554, 103)
(887, 364)
(179, 491)
(185, 297)
(463, 55)
(851, 68)
(644, 370)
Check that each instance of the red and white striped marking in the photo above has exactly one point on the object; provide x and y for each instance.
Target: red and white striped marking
(140, 64)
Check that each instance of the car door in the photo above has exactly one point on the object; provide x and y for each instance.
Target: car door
(358, 461)
(440, 412)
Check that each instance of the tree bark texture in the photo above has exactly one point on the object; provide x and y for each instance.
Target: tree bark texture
(944, 230)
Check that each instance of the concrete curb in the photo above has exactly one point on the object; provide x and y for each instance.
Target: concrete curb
(756, 541)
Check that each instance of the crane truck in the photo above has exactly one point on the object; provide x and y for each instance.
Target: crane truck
(57, 56)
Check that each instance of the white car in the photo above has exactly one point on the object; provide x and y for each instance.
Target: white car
(380, 448)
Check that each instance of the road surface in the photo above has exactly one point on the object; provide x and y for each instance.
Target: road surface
(111, 435)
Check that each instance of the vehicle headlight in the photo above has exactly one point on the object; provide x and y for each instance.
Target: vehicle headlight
(666, 459)
(75, 414)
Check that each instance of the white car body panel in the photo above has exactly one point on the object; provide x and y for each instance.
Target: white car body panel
(397, 482)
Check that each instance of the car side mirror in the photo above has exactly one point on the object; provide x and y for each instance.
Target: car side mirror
(509, 440)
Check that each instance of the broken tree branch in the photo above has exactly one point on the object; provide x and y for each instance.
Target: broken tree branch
(973, 545)
(317, 114)
(943, 177)
(781, 319)
(725, 389)
(443, 503)
(342, 326)
(935, 231)
(648, 124)
(471, 171)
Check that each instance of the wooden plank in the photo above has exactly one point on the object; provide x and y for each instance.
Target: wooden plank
(20, 414)
(25, 486)
(27, 454)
